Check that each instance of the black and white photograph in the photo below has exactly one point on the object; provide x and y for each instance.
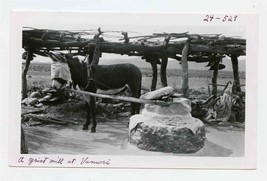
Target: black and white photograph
(112, 86)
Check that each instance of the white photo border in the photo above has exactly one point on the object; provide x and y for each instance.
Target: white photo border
(20, 19)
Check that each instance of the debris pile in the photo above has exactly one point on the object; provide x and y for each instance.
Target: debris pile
(226, 109)
(46, 96)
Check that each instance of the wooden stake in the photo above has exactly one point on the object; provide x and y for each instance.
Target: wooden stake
(236, 84)
(153, 60)
(155, 74)
(96, 56)
(97, 52)
(214, 78)
(24, 74)
(184, 67)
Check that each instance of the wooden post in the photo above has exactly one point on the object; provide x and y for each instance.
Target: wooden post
(236, 84)
(153, 59)
(90, 56)
(184, 67)
(125, 36)
(97, 52)
(153, 63)
(214, 78)
(24, 74)
(163, 67)
(93, 57)
(96, 55)
(155, 75)
(164, 62)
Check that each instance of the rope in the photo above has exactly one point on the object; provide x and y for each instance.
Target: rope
(91, 78)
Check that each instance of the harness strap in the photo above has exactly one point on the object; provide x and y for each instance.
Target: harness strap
(91, 78)
(98, 82)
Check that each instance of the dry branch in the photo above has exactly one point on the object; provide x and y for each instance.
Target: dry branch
(32, 111)
(50, 119)
(45, 119)
(177, 35)
(60, 120)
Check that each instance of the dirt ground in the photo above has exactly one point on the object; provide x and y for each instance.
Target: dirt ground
(111, 137)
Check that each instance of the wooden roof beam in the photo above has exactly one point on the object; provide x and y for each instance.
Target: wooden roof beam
(35, 42)
(122, 48)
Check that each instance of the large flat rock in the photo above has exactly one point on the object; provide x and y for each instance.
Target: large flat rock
(152, 135)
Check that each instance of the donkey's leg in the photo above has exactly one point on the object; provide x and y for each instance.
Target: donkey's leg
(131, 90)
(137, 108)
(136, 105)
(135, 92)
(93, 108)
(86, 124)
(133, 105)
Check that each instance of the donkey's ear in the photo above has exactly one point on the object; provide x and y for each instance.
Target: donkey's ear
(52, 56)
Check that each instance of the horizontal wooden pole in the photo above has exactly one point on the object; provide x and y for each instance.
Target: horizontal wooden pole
(217, 49)
(55, 43)
(122, 98)
(172, 48)
(107, 46)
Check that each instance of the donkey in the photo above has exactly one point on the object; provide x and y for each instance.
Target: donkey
(104, 77)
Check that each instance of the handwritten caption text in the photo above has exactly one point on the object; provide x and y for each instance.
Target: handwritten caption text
(38, 161)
